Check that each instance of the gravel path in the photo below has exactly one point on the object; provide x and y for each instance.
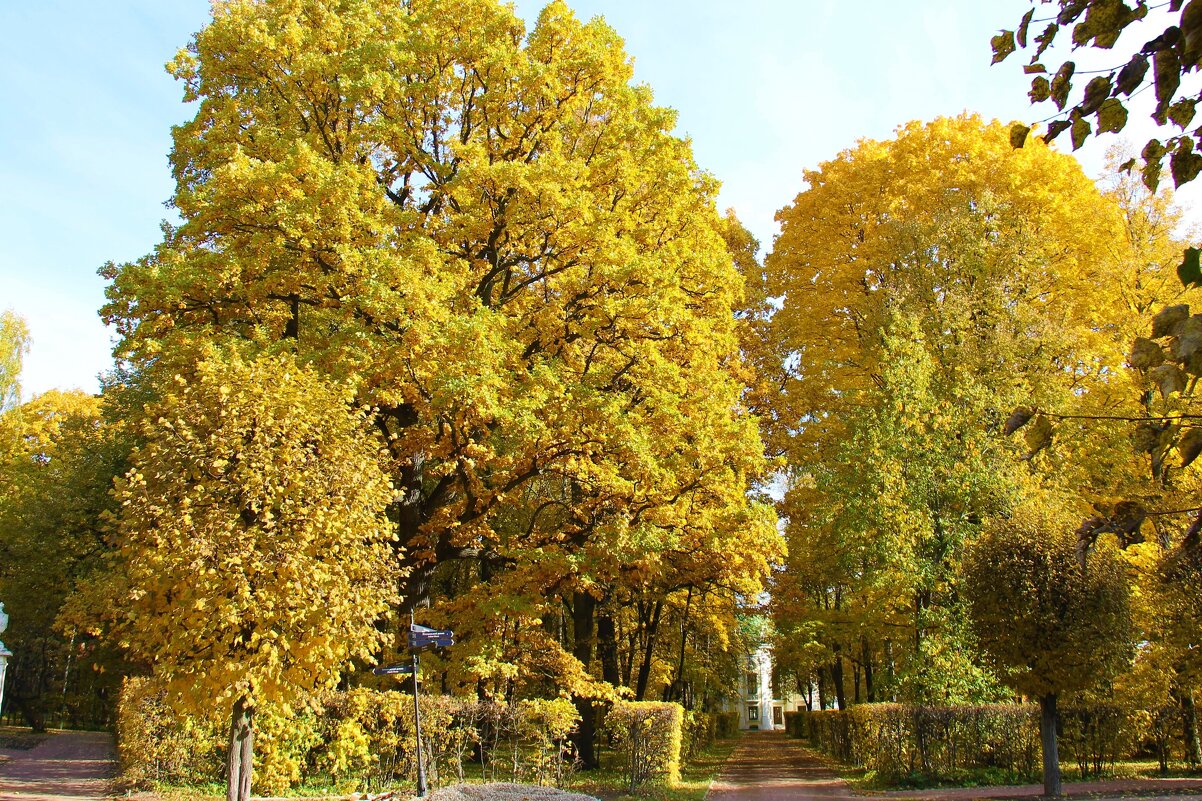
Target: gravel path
(68, 766)
(768, 766)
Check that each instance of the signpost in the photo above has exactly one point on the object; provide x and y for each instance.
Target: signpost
(420, 639)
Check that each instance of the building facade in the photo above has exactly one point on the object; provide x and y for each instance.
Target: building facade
(762, 702)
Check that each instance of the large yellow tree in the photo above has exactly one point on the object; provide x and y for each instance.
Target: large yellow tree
(928, 285)
(493, 237)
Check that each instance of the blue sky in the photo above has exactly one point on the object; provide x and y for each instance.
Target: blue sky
(764, 88)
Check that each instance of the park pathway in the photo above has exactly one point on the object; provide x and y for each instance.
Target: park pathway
(69, 766)
(768, 766)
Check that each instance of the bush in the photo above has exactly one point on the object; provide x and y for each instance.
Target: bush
(726, 725)
(900, 740)
(1095, 736)
(699, 730)
(357, 739)
(154, 744)
(647, 737)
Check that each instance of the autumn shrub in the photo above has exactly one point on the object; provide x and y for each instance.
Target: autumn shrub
(646, 735)
(698, 730)
(369, 739)
(794, 722)
(1095, 736)
(539, 736)
(156, 745)
(900, 740)
(726, 725)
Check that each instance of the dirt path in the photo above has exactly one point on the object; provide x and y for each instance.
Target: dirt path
(768, 766)
(69, 766)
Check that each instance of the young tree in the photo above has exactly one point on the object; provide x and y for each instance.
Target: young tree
(14, 344)
(1049, 617)
(254, 553)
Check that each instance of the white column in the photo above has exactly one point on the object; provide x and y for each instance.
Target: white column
(4, 655)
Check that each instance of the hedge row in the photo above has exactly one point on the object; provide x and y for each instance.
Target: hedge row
(900, 740)
(648, 736)
(363, 739)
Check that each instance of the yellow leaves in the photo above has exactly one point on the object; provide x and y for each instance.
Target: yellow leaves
(270, 555)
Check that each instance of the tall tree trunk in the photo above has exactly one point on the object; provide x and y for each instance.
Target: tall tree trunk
(866, 655)
(640, 690)
(821, 687)
(607, 648)
(837, 679)
(890, 670)
(583, 607)
(242, 751)
(1189, 725)
(1047, 735)
(675, 691)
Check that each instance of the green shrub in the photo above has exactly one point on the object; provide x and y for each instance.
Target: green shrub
(647, 737)
(700, 729)
(1095, 736)
(726, 725)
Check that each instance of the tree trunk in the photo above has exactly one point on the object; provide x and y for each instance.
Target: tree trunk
(241, 753)
(640, 690)
(607, 648)
(1189, 724)
(821, 687)
(837, 679)
(583, 607)
(866, 654)
(1047, 735)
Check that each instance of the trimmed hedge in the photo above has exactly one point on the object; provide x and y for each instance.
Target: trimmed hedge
(647, 737)
(726, 725)
(900, 740)
(359, 738)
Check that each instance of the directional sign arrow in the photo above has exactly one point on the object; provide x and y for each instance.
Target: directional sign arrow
(392, 670)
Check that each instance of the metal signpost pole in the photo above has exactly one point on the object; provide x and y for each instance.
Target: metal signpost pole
(417, 725)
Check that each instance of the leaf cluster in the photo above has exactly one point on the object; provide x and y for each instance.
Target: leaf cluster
(1161, 62)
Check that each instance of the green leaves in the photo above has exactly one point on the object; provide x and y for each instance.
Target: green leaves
(1039, 435)
(1003, 45)
(1190, 273)
(1190, 446)
(1112, 116)
(1062, 83)
(1132, 74)
(1080, 130)
(1145, 354)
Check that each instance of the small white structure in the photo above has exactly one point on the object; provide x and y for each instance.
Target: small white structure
(4, 654)
(758, 705)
